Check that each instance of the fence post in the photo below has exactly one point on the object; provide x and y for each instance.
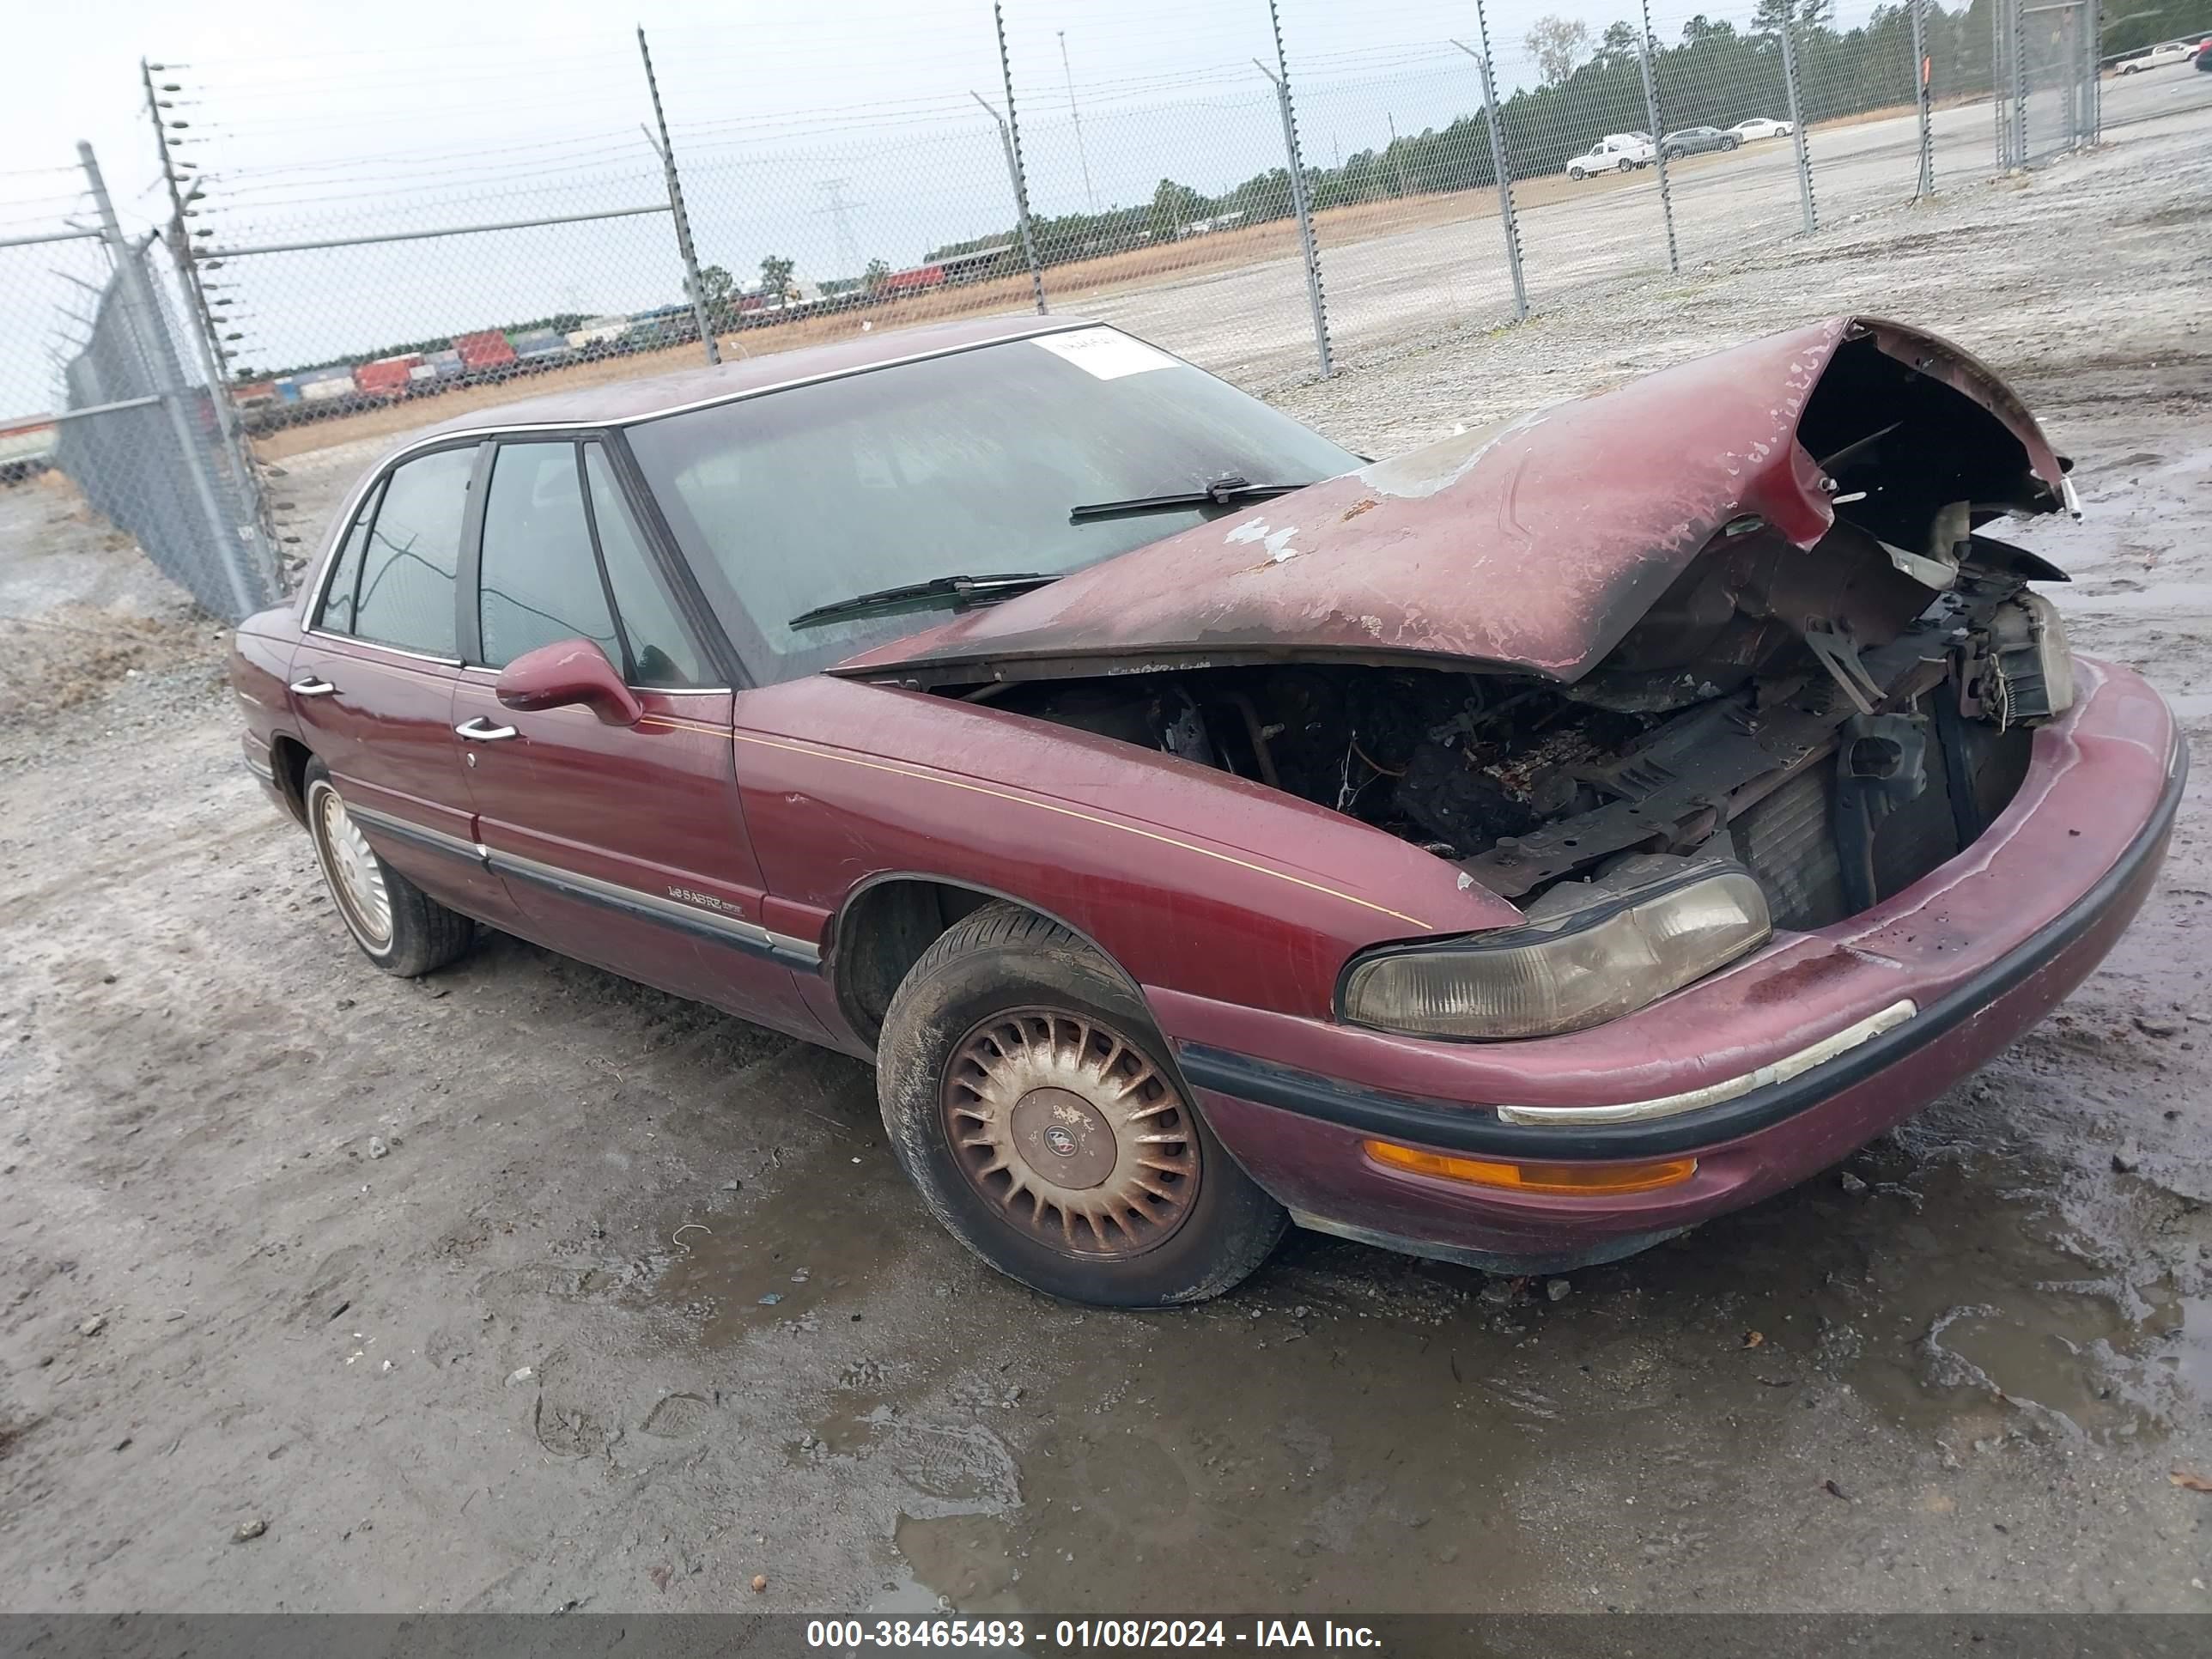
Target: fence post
(1658, 139)
(2095, 67)
(207, 334)
(1298, 204)
(1797, 128)
(1010, 131)
(2000, 82)
(1926, 185)
(1499, 165)
(137, 297)
(2019, 11)
(692, 289)
(1021, 199)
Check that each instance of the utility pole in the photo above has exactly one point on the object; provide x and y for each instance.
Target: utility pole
(1397, 161)
(841, 217)
(684, 251)
(1082, 155)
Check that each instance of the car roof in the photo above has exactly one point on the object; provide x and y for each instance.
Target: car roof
(616, 402)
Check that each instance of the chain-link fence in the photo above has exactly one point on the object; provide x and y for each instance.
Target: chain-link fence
(116, 417)
(1273, 189)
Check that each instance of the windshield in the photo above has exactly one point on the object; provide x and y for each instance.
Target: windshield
(965, 463)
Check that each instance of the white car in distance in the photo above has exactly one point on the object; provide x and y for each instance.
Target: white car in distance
(1761, 127)
(1617, 152)
(2159, 56)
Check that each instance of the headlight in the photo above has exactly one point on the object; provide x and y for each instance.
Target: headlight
(1589, 952)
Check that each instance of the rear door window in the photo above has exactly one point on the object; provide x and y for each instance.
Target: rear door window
(539, 582)
(336, 615)
(408, 568)
(663, 654)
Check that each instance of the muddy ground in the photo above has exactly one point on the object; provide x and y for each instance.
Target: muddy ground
(523, 1288)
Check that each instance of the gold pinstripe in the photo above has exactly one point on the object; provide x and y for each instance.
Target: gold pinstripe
(1071, 812)
(676, 723)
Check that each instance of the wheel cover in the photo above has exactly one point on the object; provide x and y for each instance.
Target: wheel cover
(350, 865)
(1071, 1133)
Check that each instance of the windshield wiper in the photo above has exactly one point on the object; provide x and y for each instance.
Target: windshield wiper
(960, 590)
(1220, 493)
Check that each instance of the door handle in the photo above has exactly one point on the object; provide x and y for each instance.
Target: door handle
(481, 730)
(311, 687)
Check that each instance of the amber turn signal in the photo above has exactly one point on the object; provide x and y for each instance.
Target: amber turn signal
(1558, 1180)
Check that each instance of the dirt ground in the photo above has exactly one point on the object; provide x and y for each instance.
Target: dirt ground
(522, 1288)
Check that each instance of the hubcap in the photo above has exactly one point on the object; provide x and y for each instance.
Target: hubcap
(356, 877)
(1070, 1133)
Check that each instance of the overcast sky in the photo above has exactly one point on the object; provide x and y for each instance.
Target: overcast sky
(824, 133)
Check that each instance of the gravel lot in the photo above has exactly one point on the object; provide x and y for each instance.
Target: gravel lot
(395, 1268)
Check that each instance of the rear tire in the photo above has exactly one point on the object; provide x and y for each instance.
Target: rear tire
(398, 926)
(1031, 1100)
(1627, 166)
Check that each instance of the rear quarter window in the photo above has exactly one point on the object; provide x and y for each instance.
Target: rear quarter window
(335, 614)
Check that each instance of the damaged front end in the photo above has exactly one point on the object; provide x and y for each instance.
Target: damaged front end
(1822, 688)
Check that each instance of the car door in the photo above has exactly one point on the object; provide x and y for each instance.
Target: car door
(372, 679)
(622, 844)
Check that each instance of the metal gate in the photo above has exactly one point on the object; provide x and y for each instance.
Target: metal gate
(2046, 54)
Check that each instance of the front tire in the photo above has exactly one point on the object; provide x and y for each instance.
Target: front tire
(1031, 1100)
(1575, 174)
(398, 926)
(1627, 166)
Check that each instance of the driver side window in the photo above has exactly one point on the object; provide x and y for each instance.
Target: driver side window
(563, 558)
(539, 583)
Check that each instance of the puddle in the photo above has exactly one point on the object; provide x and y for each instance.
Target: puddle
(1356, 1419)
(2186, 1354)
(799, 1243)
(1227, 1458)
(901, 1594)
(1352, 1423)
(1953, 1285)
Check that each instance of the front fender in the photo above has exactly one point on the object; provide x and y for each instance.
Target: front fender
(1189, 878)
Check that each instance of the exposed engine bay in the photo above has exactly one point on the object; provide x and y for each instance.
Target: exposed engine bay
(1838, 719)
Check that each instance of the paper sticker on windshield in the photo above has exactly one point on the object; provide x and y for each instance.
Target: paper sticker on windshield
(1104, 354)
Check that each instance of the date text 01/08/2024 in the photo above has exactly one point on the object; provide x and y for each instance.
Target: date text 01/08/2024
(1103, 1634)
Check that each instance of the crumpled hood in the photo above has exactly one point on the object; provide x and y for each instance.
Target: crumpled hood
(1535, 545)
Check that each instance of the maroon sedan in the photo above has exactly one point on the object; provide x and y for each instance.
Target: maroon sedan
(1515, 852)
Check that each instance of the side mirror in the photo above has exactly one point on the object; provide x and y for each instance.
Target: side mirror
(566, 672)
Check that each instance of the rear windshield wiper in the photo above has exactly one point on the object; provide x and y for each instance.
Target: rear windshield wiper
(959, 591)
(1220, 493)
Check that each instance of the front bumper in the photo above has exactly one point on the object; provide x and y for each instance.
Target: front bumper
(1981, 948)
